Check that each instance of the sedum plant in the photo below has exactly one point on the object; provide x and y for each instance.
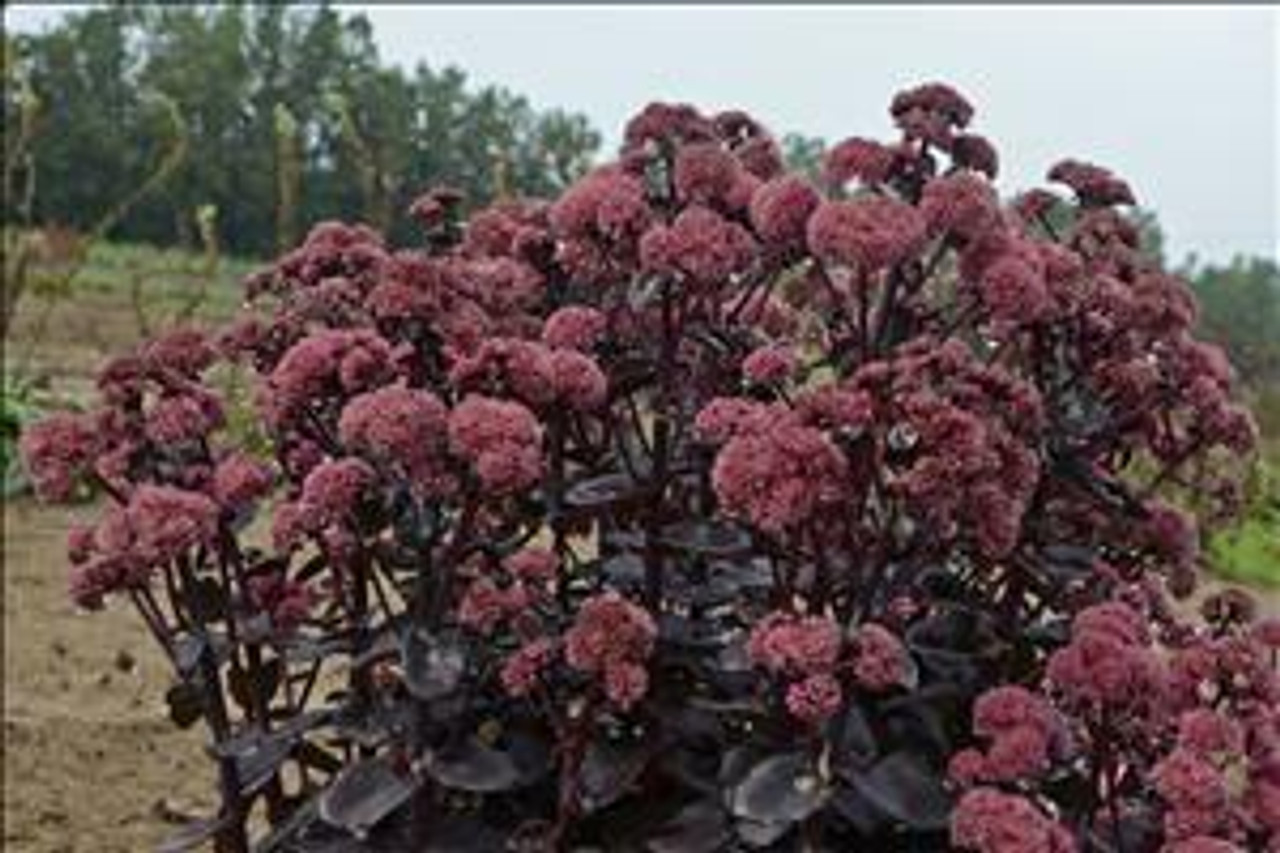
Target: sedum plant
(701, 509)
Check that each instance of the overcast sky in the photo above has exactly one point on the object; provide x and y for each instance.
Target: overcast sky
(1184, 102)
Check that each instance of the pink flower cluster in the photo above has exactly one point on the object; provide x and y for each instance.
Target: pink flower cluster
(239, 480)
(700, 246)
(962, 205)
(500, 439)
(804, 650)
(157, 525)
(869, 233)
(287, 602)
(613, 638)
(486, 605)
(931, 113)
(770, 365)
(1023, 733)
(987, 820)
(860, 159)
(332, 362)
(532, 373)
(404, 429)
(58, 451)
(959, 436)
(331, 250)
(880, 662)
(523, 668)
(185, 417)
(1093, 185)
(780, 210)
(574, 327)
(1108, 664)
(779, 477)
(786, 644)
(600, 220)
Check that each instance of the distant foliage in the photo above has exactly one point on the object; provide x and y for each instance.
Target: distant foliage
(366, 134)
(1240, 307)
(702, 508)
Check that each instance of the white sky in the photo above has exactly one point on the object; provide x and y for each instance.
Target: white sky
(1182, 101)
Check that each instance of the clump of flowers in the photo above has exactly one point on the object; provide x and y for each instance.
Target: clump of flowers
(705, 506)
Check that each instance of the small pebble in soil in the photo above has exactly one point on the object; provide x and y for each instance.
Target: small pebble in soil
(124, 661)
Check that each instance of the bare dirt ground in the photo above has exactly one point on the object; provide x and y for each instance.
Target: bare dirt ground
(91, 761)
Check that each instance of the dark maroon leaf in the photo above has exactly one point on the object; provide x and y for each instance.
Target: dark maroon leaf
(205, 601)
(906, 789)
(364, 794)
(433, 666)
(610, 768)
(258, 756)
(193, 835)
(247, 689)
(305, 648)
(860, 812)
(955, 645)
(758, 835)
(624, 571)
(700, 827)
(605, 490)
(187, 651)
(781, 789)
(464, 835)
(857, 743)
(706, 538)
(186, 704)
(472, 766)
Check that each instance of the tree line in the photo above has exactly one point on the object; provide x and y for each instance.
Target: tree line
(268, 116)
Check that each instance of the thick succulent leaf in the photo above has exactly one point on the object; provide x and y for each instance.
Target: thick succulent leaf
(781, 789)
(757, 835)
(700, 827)
(193, 835)
(186, 703)
(1068, 560)
(863, 815)
(857, 744)
(923, 725)
(204, 600)
(472, 766)
(906, 789)
(301, 648)
(603, 491)
(610, 768)
(364, 794)
(624, 572)
(247, 690)
(956, 645)
(706, 538)
(464, 835)
(531, 754)
(258, 756)
(188, 649)
(433, 666)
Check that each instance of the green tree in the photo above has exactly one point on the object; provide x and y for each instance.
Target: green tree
(1240, 308)
(804, 154)
(367, 136)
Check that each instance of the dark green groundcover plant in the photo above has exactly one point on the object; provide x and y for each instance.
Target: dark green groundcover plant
(701, 509)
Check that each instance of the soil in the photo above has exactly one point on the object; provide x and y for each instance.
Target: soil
(91, 761)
